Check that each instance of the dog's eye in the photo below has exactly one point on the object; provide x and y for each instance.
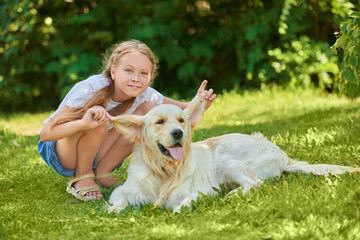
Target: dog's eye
(161, 121)
(181, 120)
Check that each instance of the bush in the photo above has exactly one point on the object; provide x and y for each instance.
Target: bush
(348, 41)
(48, 46)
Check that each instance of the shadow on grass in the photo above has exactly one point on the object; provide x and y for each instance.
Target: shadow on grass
(320, 119)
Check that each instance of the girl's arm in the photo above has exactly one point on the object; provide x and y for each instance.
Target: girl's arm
(205, 94)
(60, 131)
(181, 105)
(94, 117)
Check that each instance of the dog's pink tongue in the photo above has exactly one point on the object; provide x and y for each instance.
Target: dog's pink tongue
(176, 152)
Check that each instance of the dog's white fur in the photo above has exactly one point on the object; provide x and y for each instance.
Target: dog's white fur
(233, 159)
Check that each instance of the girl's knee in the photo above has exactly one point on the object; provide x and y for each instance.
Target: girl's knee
(101, 130)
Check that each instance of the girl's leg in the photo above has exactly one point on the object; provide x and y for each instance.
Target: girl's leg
(78, 152)
(115, 149)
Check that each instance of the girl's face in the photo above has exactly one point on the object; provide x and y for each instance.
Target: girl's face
(132, 75)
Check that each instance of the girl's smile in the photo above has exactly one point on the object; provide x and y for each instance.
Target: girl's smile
(133, 86)
(131, 75)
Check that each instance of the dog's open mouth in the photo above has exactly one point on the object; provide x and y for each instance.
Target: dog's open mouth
(174, 152)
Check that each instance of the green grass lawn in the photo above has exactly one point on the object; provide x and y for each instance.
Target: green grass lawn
(306, 124)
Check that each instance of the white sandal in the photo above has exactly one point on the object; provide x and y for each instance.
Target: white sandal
(80, 193)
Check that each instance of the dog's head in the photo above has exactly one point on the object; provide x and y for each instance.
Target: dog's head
(166, 130)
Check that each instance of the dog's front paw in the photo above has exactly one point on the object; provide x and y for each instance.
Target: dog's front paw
(177, 209)
(235, 192)
(117, 206)
(185, 203)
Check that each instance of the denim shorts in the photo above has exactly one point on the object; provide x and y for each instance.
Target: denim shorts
(48, 153)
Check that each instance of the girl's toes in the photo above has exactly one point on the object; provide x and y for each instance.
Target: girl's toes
(90, 194)
(100, 195)
(94, 194)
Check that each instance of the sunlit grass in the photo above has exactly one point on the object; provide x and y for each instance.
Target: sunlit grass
(306, 124)
(23, 123)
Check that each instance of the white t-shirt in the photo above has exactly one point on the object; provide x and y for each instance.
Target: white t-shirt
(84, 90)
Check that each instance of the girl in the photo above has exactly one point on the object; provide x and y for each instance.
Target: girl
(78, 140)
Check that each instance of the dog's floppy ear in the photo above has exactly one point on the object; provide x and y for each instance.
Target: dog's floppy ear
(129, 125)
(195, 110)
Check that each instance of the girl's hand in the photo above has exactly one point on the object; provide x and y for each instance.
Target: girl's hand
(95, 116)
(206, 94)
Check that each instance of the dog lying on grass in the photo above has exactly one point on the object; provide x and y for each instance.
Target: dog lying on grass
(168, 170)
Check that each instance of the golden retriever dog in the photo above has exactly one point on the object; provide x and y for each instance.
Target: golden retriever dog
(166, 169)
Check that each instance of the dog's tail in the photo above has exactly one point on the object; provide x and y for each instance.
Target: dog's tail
(318, 169)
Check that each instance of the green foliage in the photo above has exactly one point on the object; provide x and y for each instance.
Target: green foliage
(44, 54)
(48, 46)
(299, 62)
(307, 124)
(349, 41)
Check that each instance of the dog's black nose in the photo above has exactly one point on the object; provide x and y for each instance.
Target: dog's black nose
(177, 134)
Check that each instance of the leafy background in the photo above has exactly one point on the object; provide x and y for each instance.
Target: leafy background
(348, 41)
(48, 46)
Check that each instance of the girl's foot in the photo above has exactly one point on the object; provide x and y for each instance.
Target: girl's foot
(86, 183)
(106, 180)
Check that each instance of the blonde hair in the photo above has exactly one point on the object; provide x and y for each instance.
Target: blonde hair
(103, 95)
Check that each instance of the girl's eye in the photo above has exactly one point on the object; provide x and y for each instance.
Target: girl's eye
(144, 73)
(128, 70)
(160, 121)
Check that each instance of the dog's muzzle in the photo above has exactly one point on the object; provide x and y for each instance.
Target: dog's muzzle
(175, 151)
